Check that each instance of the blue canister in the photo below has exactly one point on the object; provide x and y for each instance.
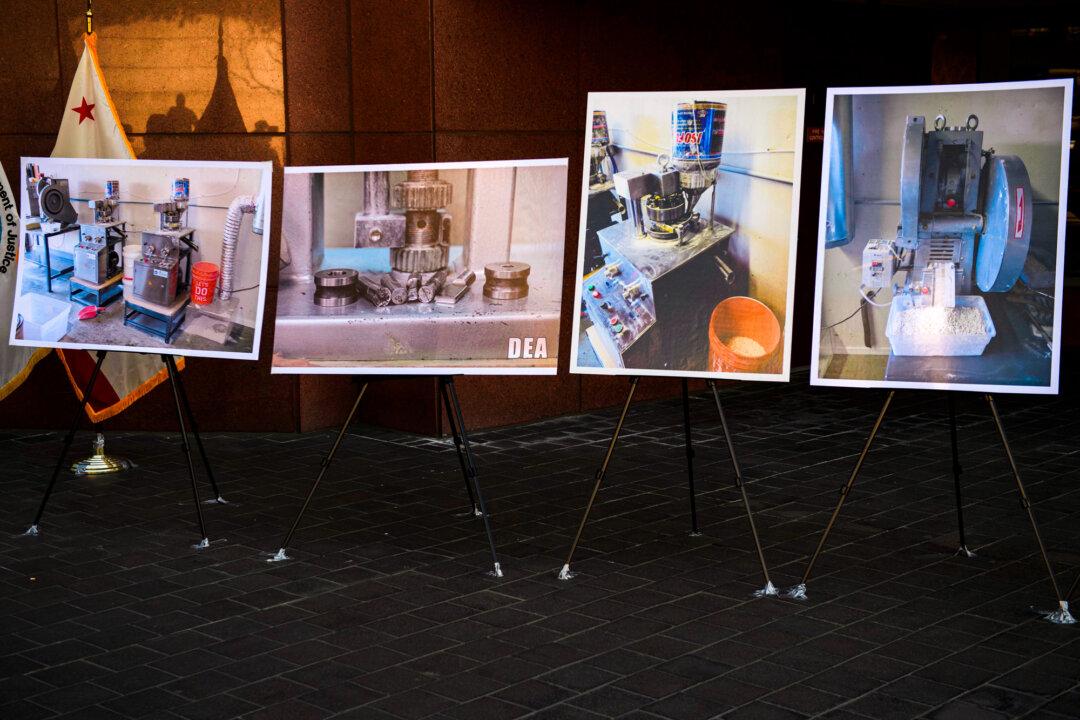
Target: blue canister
(599, 128)
(181, 189)
(697, 133)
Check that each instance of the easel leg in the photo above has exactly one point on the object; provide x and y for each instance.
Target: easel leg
(199, 444)
(466, 471)
(565, 573)
(453, 409)
(956, 470)
(694, 532)
(798, 592)
(33, 529)
(769, 588)
(170, 364)
(280, 555)
(1061, 615)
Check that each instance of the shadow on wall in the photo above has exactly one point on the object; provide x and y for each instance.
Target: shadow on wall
(221, 116)
(172, 74)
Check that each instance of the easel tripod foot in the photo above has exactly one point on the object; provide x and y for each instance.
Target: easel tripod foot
(795, 592)
(279, 556)
(496, 571)
(965, 552)
(565, 573)
(32, 531)
(202, 544)
(216, 501)
(769, 590)
(1061, 616)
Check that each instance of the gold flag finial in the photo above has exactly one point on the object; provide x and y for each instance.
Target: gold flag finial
(89, 17)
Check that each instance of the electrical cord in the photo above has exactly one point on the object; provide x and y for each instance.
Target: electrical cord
(252, 287)
(870, 300)
(853, 314)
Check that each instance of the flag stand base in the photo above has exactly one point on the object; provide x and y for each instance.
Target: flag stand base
(100, 463)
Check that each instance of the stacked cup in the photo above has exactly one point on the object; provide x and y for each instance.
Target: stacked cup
(204, 277)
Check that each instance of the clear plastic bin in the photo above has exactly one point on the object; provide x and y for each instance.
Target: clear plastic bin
(45, 319)
(941, 345)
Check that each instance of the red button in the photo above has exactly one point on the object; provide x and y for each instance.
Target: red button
(613, 319)
(950, 203)
(596, 293)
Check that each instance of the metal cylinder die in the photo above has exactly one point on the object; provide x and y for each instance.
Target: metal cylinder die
(335, 287)
(506, 280)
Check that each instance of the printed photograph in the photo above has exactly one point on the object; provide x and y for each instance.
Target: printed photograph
(942, 237)
(422, 269)
(686, 252)
(167, 257)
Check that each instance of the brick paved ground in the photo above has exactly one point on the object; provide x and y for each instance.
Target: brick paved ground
(386, 612)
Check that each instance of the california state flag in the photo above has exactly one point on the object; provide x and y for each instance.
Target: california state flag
(91, 129)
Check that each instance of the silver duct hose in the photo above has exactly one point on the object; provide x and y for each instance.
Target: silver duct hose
(235, 215)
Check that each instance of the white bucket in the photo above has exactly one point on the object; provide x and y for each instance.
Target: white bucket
(131, 254)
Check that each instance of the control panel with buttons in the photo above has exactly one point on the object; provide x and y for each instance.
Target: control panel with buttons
(618, 300)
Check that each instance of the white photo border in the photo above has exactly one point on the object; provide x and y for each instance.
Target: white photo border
(422, 370)
(793, 233)
(1066, 126)
(265, 187)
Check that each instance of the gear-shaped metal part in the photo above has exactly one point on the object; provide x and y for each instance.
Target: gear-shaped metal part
(419, 258)
(422, 190)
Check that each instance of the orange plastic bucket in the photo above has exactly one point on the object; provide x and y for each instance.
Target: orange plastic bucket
(204, 277)
(744, 336)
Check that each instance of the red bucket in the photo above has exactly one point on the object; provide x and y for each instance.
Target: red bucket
(204, 277)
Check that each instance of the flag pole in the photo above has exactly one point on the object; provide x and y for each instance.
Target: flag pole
(99, 463)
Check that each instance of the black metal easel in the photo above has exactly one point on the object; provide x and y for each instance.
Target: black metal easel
(769, 589)
(465, 458)
(182, 407)
(1061, 615)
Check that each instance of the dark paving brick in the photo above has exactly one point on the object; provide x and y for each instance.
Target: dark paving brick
(385, 613)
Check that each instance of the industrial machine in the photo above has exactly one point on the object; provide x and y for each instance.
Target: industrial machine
(171, 212)
(97, 254)
(418, 240)
(600, 152)
(105, 210)
(49, 238)
(965, 224)
(605, 207)
(54, 200)
(96, 259)
(665, 267)
(157, 272)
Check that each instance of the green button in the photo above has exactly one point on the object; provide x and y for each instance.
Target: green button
(591, 288)
(618, 328)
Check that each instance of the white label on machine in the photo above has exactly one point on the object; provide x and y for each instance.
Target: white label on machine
(1019, 213)
(878, 265)
(161, 273)
(944, 284)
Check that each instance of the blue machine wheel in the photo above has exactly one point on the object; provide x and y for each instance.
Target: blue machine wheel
(1003, 244)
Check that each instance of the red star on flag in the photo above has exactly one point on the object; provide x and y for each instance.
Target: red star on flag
(86, 110)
